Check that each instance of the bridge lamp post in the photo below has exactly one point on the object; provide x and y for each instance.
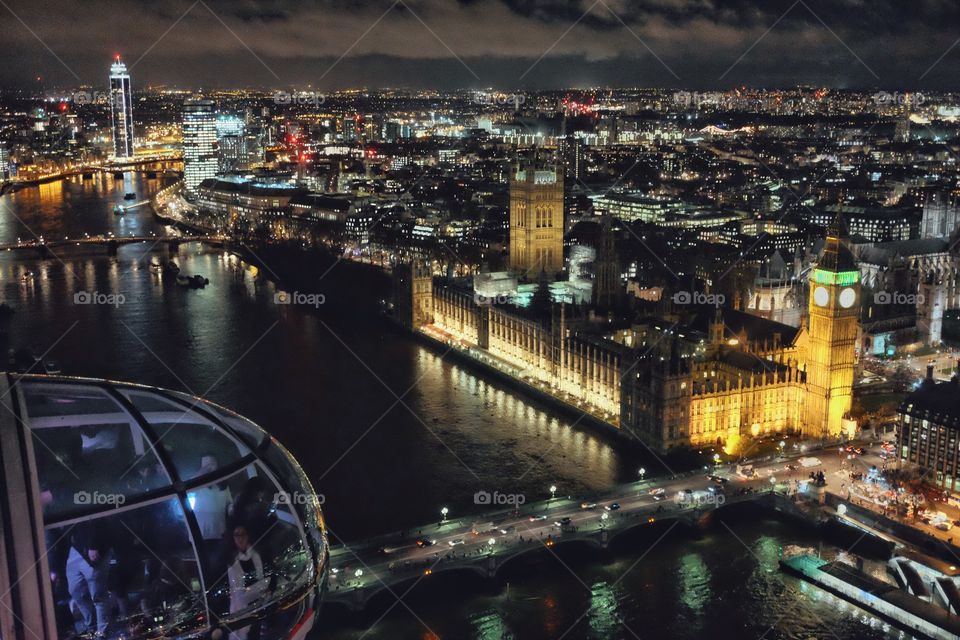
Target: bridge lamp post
(553, 491)
(603, 519)
(490, 543)
(443, 512)
(773, 483)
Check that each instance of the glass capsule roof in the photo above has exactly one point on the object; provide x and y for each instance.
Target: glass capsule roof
(189, 516)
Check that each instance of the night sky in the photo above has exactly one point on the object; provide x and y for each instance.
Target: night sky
(445, 44)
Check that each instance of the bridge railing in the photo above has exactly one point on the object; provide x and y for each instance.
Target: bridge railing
(375, 577)
(529, 508)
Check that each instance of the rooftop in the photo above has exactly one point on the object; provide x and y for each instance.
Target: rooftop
(938, 402)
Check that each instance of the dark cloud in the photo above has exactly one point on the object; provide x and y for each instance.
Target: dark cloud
(509, 43)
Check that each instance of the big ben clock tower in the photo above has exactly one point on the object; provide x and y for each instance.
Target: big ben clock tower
(832, 334)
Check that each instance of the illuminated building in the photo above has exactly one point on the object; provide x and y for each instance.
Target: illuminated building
(172, 495)
(929, 431)
(908, 285)
(121, 110)
(776, 294)
(631, 207)
(876, 224)
(702, 375)
(231, 143)
(570, 150)
(536, 217)
(941, 215)
(833, 323)
(247, 206)
(199, 142)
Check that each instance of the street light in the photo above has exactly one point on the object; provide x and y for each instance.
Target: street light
(444, 512)
(553, 491)
(642, 472)
(358, 572)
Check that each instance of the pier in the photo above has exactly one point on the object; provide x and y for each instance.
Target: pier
(897, 606)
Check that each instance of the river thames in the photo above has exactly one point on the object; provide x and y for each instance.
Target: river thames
(389, 432)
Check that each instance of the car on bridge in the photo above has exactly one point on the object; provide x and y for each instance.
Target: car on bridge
(425, 542)
(486, 527)
(613, 506)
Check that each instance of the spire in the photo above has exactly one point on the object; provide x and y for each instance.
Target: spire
(836, 254)
(838, 227)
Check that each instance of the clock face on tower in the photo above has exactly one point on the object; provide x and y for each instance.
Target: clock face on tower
(847, 297)
(821, 296)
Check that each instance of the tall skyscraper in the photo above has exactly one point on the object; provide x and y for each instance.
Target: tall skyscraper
(231, 142)
(4, 161)
(570, 149)
(833, 323)
(121, 110)
(199, 142)
(536, 217)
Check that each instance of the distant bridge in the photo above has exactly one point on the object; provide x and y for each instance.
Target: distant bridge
(112, 243)
(148, 164)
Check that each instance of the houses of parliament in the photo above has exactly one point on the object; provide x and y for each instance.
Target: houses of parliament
(687, 376)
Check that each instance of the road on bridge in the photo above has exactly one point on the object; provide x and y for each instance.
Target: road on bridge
(378, 562)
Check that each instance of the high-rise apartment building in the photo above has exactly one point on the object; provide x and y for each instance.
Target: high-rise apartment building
(200, 160)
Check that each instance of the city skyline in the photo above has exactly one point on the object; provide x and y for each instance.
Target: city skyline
(670, 356)
(513, 45)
